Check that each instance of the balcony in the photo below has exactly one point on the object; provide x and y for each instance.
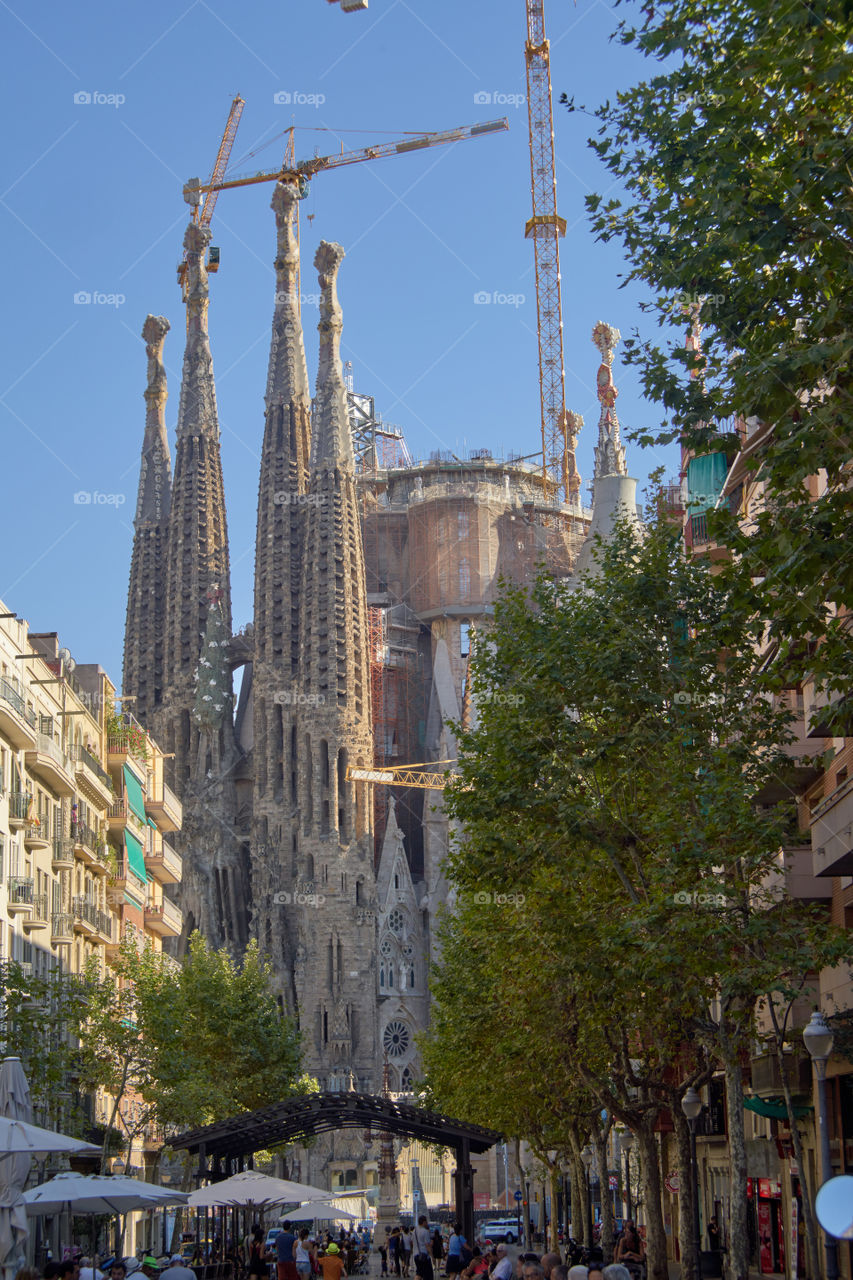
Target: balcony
(91, 848)
(767, 1079)
(89, 919)
(61, 929)
(164, 918)
(19, 805)
(92, 779)
(17, 722)
(832, 833)
(51, 764)
(129, 741)
(63, 854)
(39, 916)
(165, 866)
(37, 832)
(165, 808)
(20, 891)
(124, 878)
(795, 877)
(120, 815)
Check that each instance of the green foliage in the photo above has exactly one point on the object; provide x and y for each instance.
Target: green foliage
(734, 161)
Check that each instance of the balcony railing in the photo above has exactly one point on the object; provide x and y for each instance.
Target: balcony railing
(10, 694)
(698, 530)
(165, 911)
(38, 828)
(19, 805)
(39, 914)
(61, 927)
(48, 747)
(63, 853)
(21, 890)
(88, 912)
(81, 756)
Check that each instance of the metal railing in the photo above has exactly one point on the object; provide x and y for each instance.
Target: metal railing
(61, 925)
(39, 911)
(48, 747)
(10, 694)
(83, 834)
(63, 850)
(167, 911)
(21, 890)
(82, 756)
(39, 828)
(19, 804)
(90, 913)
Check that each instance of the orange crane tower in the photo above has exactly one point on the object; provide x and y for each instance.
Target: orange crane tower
(202, 213)
(544, 228)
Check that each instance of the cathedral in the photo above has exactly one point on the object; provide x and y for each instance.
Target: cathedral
(372, 573)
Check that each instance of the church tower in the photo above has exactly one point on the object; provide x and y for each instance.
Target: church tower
(146, 596)
(214, 891)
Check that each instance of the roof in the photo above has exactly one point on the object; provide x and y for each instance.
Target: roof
(326, 1112)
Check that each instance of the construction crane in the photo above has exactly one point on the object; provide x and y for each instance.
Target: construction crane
(544, 228)
(405, 775)
(302, 172)
(202, 213)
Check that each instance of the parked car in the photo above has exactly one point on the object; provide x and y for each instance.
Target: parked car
(505, 1229)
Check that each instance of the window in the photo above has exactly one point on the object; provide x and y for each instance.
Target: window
(396, 921)
(464, 639)
(464, 576)
(396, 1039)
(461, 524)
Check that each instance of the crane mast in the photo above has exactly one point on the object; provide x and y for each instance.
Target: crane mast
(544, 228)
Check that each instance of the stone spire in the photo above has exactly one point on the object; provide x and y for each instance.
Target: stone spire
(573, 423)
(282, 505)
(146, 597)
(614, 492)
(214, 890)
(336, 987)
(609, 452)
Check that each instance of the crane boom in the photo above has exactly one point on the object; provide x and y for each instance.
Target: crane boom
(544, 228)
(222, 158)
(404, 775)
(306, 169)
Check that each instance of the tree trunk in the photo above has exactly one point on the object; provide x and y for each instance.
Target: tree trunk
(554, 1172)
(812, 1246)
(607, 1223)
(580, 1200)
(686, 1191)
(655, 1234)
(738, 1240)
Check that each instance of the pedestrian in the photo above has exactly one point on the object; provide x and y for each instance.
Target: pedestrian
(177, 1269)
(560, 1272)
(394, 1250)
(331, 1264)
(258, 1259)
(616, 1271)
(422, 1249)
(455, 1245)
(714, 1236)
(549, 1261)
(383, 1253)
(630, 1247)
(118, 1270)
(149, 1266)
(405, 1250)
(285, 1266)
(437, 1246)
(303, 1254)
(502, 1269)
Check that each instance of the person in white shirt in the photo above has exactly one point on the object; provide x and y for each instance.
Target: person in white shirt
(88, 1271)
(503, 1267)
(422, 1249)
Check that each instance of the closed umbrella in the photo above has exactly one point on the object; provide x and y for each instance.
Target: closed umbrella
(15, 1104)
(97, 1193)
(257, 1189)
(16, 1137)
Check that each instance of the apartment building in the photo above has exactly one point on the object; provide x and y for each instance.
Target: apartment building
(85, 819)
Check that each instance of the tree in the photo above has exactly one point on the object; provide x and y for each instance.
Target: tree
(619, 769)
(737, 208)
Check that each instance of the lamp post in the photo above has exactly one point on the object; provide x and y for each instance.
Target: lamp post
(414, 1193)
(818, 1040)
(691, 1105)
(587, 1155)
(626, 1142)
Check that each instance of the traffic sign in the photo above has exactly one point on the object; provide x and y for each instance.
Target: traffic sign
(519, 1196)
(613, 1182)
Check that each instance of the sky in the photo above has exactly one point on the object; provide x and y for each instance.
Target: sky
(110, 109)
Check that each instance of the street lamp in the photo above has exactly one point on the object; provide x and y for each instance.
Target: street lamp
(626, 1142)
(587, 1155)
(691, 1105)
(818, 1040)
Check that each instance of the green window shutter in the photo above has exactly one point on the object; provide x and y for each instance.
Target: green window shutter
(705, 479)
(133, 791)
(135, 856)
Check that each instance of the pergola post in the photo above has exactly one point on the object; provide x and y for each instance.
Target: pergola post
(464, 1188)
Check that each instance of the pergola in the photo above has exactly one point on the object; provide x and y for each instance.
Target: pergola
(230, 1144)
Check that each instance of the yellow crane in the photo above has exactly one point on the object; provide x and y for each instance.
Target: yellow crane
(405, 775)
(303, 171)
(202, 213)
(544, 228)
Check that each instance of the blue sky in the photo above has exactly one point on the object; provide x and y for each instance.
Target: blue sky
(111, 108)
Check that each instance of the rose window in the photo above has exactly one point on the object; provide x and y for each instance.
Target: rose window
(396, 1039)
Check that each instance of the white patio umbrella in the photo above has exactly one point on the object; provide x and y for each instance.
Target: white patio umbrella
(17, 1137)
(15, 1104)
(97, 1193)
(324, 1211)
(253, 1188)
